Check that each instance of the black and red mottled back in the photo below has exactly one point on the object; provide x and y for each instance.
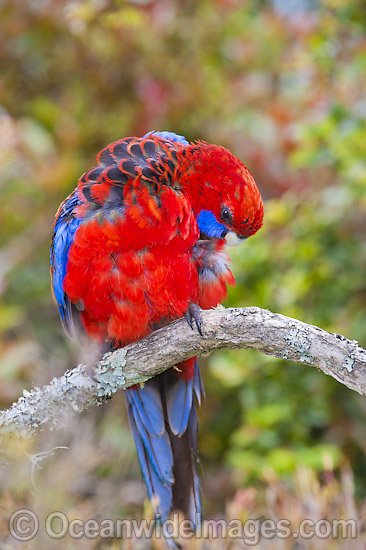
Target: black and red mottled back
(153, 160)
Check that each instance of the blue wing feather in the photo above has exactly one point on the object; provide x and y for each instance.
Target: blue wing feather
(168, 135)
(64, 230)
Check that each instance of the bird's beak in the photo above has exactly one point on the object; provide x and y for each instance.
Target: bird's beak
(232, 239)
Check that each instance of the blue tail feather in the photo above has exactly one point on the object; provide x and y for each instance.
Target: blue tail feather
(158, 449)
(148, 405)
(163, 420)
(160, 494)
(195, 505)
(198, 387)
(179, 405)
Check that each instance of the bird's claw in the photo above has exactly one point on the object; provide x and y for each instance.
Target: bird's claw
(193, 314)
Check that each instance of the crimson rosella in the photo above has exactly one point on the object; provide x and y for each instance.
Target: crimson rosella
(138, 243)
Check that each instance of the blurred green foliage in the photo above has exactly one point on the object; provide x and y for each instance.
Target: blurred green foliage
(285, 94)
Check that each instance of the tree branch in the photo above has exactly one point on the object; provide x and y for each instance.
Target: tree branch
(255, 328)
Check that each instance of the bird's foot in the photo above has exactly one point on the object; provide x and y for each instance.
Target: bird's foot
(193, 315)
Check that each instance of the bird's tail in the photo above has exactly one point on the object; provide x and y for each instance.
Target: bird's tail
(163, 420)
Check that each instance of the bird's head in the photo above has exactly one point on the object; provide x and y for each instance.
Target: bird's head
(223, 193)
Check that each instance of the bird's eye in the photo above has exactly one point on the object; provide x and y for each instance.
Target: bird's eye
(226, 215)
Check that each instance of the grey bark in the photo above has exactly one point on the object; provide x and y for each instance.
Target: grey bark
(270, 333)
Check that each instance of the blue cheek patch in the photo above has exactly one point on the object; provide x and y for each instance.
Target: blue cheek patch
(209, 225)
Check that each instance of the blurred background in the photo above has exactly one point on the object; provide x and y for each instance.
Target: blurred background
(280, 83)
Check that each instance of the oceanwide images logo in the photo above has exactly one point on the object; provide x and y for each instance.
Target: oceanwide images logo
(24, 525)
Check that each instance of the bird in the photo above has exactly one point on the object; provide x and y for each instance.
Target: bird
(140, 242)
